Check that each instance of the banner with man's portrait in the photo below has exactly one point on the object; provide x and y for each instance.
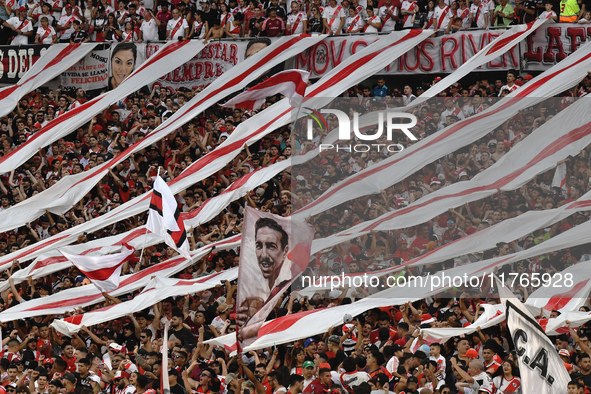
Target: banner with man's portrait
(273, 253)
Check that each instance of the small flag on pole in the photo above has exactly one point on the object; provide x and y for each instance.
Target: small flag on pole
(164, 218)
(103, 271)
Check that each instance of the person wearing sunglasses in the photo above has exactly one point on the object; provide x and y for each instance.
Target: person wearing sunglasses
(180, 360)
(146, 340)
(452, 232)
(121, 381)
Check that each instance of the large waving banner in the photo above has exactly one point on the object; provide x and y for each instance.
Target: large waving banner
(79, 297)
(73, 188)
(374, 58)
(542, 370)
(274, 251)
(397, 167)
(170, 55)
(156, 290)
(54, 61)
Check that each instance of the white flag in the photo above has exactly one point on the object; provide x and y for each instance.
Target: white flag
(560, 176)
(164, 218)
(542, 370)
(103, 271)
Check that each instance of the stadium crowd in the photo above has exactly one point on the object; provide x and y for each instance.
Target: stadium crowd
(48, 22)
(367, 354)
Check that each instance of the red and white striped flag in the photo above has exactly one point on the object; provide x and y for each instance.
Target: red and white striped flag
(164, 218)
(560, 176)
(291, 83)
(103, 271)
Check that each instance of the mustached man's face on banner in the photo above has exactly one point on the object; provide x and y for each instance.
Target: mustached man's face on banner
(271, 250)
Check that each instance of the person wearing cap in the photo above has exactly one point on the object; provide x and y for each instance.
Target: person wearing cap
(21, 26)
(548, 14)
(99, 24)
(65, 25)
(308, 369)
(69, 381)
(121, 381)
(54, 386)
(334, 345)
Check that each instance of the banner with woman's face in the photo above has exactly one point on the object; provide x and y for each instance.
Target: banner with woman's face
(125, 57)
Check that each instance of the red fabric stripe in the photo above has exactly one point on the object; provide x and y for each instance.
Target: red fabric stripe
(283, 323)
(499, 44)
(49, 261)
(74, 319)
(133, 235)
(85, 299)
(103, 273)
(288, 76)
(558, 301)
(162, 54)
(75, 302)
(579, 204)
(156, 200)
(38, 246)
(246, 104)
(57, 259)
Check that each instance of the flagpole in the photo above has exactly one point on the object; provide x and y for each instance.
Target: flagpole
(144, 245)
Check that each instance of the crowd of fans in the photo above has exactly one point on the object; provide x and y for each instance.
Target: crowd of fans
(48, 22)
(366, 354)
